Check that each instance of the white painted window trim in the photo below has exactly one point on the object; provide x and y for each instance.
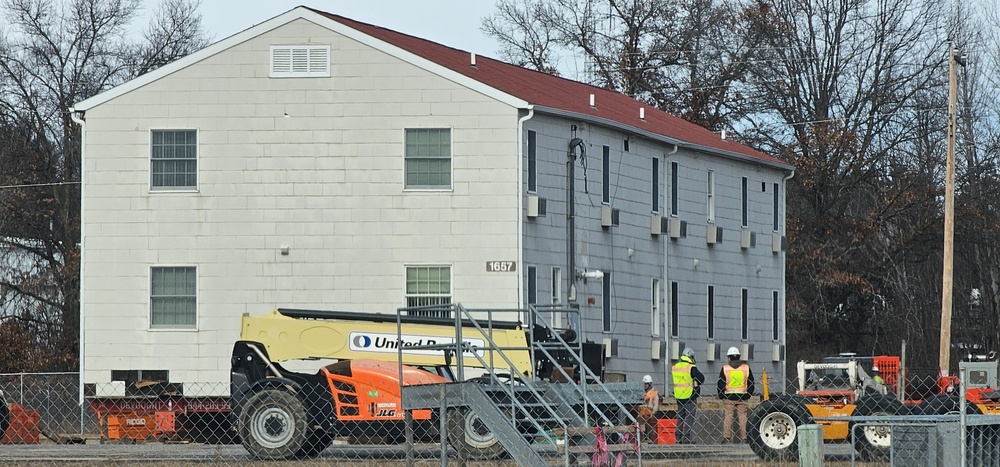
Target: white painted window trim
(451, 149)
(149, 300)
(197, 158)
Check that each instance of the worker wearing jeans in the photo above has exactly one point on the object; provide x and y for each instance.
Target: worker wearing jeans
(735, 387)
(687, 383)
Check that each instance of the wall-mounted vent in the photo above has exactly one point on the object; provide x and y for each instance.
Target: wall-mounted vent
(658, 224)
(536, 206)
(746, 351)
(778, 243)
(298, 61)
(748, 239)
(675, 349)
(713, 235)
(777, 352)
(609, 216)
(678, 228)
(610, 347)
(713, 352)
(657, 349)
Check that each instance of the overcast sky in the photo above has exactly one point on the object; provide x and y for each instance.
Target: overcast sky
(454, 23)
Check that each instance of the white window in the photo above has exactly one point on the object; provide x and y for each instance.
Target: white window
(606, 175)
(673, 189)
(532, 162)
(774, 209)
(655, 185)
(774, 315)
(556, 296)
(300, 61)
(606, 304)
(710, 189)
(654, 307)
(532, 285)
(674, 314)
(173, 297)
(428, 286)
(711, 312)
(173, 159)
(428, 158)
(745, 208)
(745, 314)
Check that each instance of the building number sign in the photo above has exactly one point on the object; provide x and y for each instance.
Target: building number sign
(501, 266)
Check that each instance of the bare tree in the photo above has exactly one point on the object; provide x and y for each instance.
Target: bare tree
(685, 56)
(54, 54)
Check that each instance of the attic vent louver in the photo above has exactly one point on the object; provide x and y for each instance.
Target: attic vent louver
(296, 61)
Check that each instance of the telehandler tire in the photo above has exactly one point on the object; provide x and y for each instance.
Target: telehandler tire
(772, 428)
(873, 440)
(469, 435)
(943, 404)
(274, 425)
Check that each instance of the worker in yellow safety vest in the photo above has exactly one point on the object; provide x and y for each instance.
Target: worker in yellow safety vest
(687, 384)
(650, 405)
(736, 385)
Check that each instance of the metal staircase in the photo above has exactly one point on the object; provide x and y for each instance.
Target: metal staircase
(522, 412)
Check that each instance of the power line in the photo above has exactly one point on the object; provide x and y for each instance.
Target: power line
(35, 185)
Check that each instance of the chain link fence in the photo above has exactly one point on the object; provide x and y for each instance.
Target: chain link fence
(53, 422)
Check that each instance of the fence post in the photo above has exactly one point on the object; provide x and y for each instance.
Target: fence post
(810, 438)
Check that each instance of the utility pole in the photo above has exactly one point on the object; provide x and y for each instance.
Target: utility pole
(954, 59)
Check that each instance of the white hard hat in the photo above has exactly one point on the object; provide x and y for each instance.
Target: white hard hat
(647, 379)
(688, 352)
(875, 369)
(733, 351)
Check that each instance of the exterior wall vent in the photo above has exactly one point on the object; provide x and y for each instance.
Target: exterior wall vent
(778, 243)
(678, 228)
(713, 352)
(713, 235)
(657, 224)
(536, 206)
(748, 239)
(296, 61)
(610, 347)
(609, 216)
(746, 351)
(777, 352)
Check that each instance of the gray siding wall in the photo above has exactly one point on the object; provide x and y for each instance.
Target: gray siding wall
(633, 256)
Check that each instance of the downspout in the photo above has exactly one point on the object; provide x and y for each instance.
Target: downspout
(784, 267)
(571, 217)
(521, 189)
(79, 117)
(667, 375)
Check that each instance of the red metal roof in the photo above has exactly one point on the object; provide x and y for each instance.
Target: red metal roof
(555, 92)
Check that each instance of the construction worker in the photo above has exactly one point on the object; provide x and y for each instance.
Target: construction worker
(687, 383)
(736, 385)
(875, 376)
(650, 405)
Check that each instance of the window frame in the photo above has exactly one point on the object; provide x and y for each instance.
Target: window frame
(606, 175)
(152, 299)
(655, 184)
(532, 152)
(674, 169)
(775, 206)
(654, 307)
(710, 196)
(531, 285)
(745, 313)
(447, 297)
(775, 323)
(407, 159)
(710, 309)
(606, 302)
(556, 295)
(153, 187)
(674, 309)
(745, 202)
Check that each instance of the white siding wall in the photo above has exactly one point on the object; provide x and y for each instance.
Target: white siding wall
(327, 181)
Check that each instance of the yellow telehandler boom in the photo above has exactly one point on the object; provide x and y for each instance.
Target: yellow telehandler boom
(290, 334)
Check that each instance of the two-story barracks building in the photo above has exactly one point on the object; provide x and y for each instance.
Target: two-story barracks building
(312, 161)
